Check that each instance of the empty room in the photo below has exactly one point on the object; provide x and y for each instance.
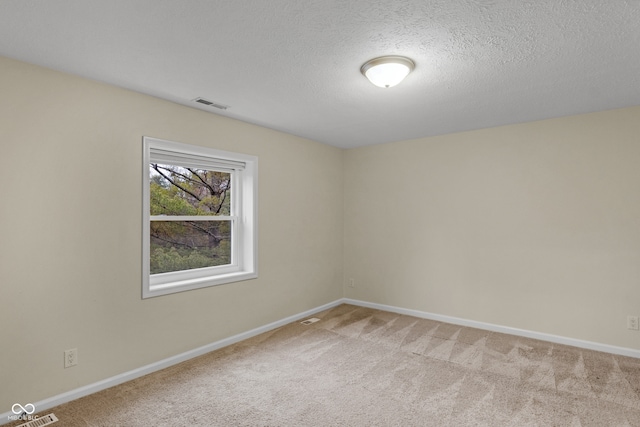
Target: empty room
(320, 213)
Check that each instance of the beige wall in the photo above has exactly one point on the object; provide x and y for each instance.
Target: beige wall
(533, 226)
(70, 230)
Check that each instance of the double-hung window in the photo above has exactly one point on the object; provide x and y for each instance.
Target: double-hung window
(200, 213)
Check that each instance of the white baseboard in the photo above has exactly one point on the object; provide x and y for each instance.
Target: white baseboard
(498, 328)
(51, 402)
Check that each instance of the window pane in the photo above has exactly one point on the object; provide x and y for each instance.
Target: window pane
(185, 245)
(175, 190)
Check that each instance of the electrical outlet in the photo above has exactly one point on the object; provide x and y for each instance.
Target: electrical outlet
(632, 322)
(352, 283)
(70, 357)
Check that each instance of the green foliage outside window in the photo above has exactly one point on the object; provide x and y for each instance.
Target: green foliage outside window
(185, 245)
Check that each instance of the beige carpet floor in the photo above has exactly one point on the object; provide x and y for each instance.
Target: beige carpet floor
(365, 367)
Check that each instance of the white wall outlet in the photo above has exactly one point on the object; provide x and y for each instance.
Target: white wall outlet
(632, 322)
(352, 283)
(70, 357)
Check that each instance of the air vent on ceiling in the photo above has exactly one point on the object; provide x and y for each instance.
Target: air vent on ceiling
(211, 103)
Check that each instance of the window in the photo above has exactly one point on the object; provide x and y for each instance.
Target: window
(199, 221)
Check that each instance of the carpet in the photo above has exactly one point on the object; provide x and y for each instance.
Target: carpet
(364, 367)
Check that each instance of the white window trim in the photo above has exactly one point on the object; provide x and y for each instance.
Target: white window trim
(244, 264)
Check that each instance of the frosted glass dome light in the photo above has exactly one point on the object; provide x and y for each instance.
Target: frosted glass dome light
(387, 71)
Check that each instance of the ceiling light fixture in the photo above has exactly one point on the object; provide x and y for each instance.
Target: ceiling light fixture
(387, 71)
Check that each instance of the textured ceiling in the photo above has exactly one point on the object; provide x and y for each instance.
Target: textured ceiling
(293, 65)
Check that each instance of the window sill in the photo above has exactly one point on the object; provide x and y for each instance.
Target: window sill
(197, 283)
